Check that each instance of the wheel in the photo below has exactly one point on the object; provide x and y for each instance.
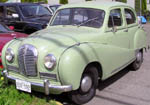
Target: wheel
(88, 85)
(138, 62)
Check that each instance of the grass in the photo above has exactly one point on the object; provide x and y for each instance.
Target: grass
(9, 95)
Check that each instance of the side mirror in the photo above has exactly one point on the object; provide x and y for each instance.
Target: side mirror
(15, 16)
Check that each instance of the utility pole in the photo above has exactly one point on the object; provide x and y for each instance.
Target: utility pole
(140, 7)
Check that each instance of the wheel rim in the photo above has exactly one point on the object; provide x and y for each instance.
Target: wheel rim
(86, 84)
(139, 57)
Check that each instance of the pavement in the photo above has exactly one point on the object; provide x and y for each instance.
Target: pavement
(127, 87)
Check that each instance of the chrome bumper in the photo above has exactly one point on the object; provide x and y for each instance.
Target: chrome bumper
(46, 84)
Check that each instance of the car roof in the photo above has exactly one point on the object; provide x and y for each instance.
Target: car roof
(16, 3)
(95, 4)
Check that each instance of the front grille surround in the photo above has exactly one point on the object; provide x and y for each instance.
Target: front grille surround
(27, 60)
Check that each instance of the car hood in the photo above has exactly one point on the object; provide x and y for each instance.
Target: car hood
(39, 20)
(67, 35)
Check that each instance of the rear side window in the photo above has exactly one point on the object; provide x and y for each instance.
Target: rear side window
(10, 10)
(115, 18)
(130, 17)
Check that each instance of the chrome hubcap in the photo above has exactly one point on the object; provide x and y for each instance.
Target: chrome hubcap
(86, 84)
(139, 57)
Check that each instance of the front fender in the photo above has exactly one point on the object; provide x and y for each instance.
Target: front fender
(140, 39)
(72, 64)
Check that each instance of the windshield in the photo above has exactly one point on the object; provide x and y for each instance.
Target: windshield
(54, 8)
(34, 10)
(79, 17)
(4, 29)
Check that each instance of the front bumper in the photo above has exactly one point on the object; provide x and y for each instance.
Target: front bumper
(46, 86)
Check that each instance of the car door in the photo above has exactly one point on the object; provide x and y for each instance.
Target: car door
(131, 23)
(118, 39)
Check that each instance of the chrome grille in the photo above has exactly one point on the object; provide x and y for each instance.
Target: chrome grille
(27, 58)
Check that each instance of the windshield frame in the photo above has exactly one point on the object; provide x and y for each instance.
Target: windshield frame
(20, 7)
(54, 16)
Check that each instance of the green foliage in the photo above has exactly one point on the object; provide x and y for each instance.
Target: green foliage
(10, 96)
(124, 1)
(88, 0)
(144, 6)
(3, 0)
(63, 1)
(33, 1)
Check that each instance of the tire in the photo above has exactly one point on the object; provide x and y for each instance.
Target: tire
(88, 85)
(138, 62)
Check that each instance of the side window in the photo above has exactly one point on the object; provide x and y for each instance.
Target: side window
(130, 17)
(1, 12)
(10, 10)
(115, 18)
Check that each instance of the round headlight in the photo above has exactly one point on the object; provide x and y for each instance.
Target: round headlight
(49, 61)
(9, 55)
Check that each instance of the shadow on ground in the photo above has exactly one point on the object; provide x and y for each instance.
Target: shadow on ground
(63, 98)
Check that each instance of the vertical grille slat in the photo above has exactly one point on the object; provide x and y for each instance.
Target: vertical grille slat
(27, 58)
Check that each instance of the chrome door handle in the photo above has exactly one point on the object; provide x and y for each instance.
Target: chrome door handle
(126, 30)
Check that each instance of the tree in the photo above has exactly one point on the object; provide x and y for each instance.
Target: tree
(63, 1)
(144, 6)
(3, 0)
(124, 1)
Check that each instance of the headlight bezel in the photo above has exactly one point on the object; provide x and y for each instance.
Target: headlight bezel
(49, 59)
(9, 52)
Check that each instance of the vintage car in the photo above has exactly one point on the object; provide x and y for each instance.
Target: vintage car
(25, 17)
(83, 43)
(6, 35)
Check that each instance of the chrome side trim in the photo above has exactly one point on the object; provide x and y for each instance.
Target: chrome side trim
(118, 69)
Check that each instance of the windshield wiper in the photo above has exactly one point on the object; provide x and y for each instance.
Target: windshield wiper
(87, 21)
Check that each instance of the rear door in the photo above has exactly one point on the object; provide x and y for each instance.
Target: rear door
(118, 39)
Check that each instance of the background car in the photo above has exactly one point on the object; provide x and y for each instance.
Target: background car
(25, 17)
(6, 35)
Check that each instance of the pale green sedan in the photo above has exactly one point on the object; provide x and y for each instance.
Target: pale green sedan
(83, 43)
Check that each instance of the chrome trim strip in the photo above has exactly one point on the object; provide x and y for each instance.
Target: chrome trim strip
(118, 69)
(46, 84)
(12, 68)
(48, 76)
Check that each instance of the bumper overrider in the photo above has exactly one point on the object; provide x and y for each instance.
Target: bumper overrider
(46, 84)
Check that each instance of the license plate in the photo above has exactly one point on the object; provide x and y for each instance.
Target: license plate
(23, 85)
